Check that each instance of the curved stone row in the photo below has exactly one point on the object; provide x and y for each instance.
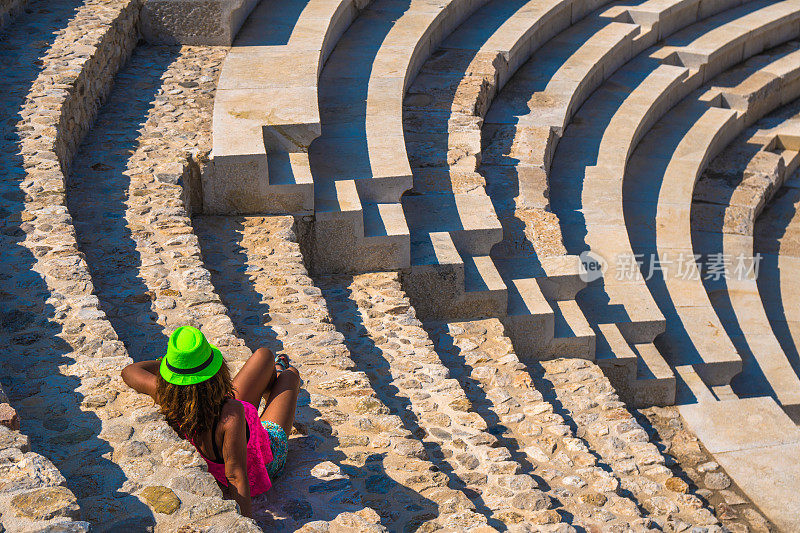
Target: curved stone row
(774, 232)
(728, 198)
(612, 432)
(62, 368)
(359, 165)
(660, 184)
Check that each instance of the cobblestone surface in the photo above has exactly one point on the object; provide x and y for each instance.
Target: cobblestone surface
(502, 391)
(62, 365)
(350, 449)
(689, 460)
(587, 398)
(126, 199)
(389, 343)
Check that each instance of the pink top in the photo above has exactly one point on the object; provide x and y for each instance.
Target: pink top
(259, 454)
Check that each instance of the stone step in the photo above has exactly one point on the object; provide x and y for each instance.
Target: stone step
(560, 277)
(353, 449)
(759, 85)
(752, 435)
(638, 372)
(530, 321)
(617, 360)
(694, 333)
(361, 91)
(370, 235)
(751, 28)
(655, 380)
(572, 334)
(266, 110)
(397, 355)
(469, 218)
(501, 389)
(661, 18)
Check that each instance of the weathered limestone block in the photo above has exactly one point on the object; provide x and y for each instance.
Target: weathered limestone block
(194, 22)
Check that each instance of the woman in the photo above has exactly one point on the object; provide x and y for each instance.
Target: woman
(217, 414)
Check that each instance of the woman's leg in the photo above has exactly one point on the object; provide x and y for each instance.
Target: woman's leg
(256, 377)
(282, 401)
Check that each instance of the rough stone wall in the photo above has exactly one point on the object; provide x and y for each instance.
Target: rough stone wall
(9, 9)
(61, 357)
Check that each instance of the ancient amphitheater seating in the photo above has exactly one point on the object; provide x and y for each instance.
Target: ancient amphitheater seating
(694, 332)
(529, 118)
(266, 112)
(452, 222)
(723, 219)
(472, 149)
(587, 194)
(358, 164)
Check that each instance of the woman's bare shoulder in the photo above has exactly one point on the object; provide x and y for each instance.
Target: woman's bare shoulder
(232, 414)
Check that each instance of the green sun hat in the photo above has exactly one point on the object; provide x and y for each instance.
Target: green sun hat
(190, 358)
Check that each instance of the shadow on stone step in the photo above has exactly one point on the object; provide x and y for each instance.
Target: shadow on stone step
(372, 360)
(320, 480)
(43, 322)
(98, 196)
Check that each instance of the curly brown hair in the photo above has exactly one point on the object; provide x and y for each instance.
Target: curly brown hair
(191, 409)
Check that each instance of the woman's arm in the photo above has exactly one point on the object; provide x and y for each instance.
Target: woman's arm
(141, 377)
(234, 453)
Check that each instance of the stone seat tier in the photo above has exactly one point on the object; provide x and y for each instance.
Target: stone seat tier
(727, 200)
(523, 127)
(694, 334)
(588, 196)
(775, 241)
(265, 110)
(443, 113)
(359, 161)
(659, 187)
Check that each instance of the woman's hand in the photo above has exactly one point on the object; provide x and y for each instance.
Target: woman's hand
(142, 377)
